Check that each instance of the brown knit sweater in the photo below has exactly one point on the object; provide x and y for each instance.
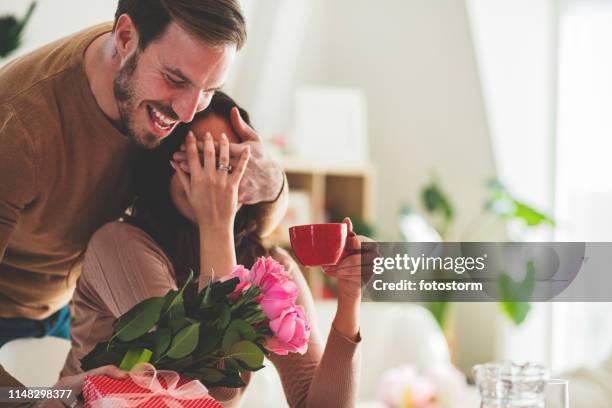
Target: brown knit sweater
(124, 266)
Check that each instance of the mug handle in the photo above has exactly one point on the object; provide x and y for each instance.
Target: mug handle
(349, 234)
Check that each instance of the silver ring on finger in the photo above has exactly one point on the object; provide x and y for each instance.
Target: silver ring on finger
(224, 167)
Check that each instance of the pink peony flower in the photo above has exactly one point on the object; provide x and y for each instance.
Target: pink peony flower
(291, 332)
(280, 296)
(405, 386)
(267, 272)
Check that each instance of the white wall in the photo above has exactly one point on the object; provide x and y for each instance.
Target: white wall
(516, 46)
(414, 59)
(53, 19)
(515, 43)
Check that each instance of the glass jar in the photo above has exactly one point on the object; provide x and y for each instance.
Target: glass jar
(509, 385)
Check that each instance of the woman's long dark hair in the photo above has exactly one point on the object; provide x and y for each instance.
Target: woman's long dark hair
(154, 212)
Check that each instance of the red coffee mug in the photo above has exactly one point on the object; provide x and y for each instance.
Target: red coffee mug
(318, 244)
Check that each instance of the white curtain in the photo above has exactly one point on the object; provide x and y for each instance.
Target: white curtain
(583, 331)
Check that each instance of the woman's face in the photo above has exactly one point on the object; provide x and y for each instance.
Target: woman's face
(216, 125)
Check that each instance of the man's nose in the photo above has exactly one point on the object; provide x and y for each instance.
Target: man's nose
(188, 104)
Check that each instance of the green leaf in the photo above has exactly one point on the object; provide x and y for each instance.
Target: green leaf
(247, 353)
(229, 338)
(101, 356)
(208, 375)
(158, 341)
(224, 318)
(236, 331)
(435, 201)
(179, 324)
(209, 338)
(516, 311)
(174, 300)
(175, 365)
(11, 30)
(504, 205)
(173, 308)
(184, 342)
(138, 320)
(530, 215)
(206, 297)
(232, 365)
(220, 290)
(511, 290)
(135, 356)
(439, 310)
(513, 294)
(232, 381)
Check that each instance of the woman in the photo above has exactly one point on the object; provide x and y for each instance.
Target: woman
(193, 219)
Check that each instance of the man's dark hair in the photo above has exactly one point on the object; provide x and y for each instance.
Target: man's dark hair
(217, 22)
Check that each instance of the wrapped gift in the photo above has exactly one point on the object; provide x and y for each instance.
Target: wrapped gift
(146, 387)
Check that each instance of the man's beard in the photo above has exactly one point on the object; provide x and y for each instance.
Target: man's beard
(123, 88)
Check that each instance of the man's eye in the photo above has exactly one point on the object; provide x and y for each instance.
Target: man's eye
(174, 81)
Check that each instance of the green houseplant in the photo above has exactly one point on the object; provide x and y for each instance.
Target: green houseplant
(11, 31)
(504, 206)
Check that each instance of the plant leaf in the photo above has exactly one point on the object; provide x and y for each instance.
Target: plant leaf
(101, 356)
(225, 317)
(503, 204)
(209, 338)
(207, 375)
(179, 324)
(135, 356)
(439, 310)
(220, 290)
(175, 365)
(174, 307)
(184, 342)
(138, 320)
(157, 341)
(435, 200)
(516, 311)
(513, 294)
(248, 353)
(236, 331)
(232, 365)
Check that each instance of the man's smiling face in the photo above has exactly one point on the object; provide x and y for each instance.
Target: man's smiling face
(167, 83)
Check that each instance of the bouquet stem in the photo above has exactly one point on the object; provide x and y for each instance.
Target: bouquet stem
(135, 356)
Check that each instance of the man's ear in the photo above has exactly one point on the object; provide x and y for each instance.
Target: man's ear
(126, 37)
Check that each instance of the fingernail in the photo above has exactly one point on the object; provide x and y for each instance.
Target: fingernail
(208, 135)
(172, 164)
(223, 136)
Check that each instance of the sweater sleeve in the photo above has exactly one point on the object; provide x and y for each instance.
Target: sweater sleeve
(122, 267)
(323, 376)
(17, 167)
(270, 214)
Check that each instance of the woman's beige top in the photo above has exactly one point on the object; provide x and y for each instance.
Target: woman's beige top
(123, 266)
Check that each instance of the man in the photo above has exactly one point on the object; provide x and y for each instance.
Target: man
(73, 114)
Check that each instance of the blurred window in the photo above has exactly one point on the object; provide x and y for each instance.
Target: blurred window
(583, 332)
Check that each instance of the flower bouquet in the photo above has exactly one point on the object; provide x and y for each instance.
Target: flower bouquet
(213, 337)
(441, 386)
